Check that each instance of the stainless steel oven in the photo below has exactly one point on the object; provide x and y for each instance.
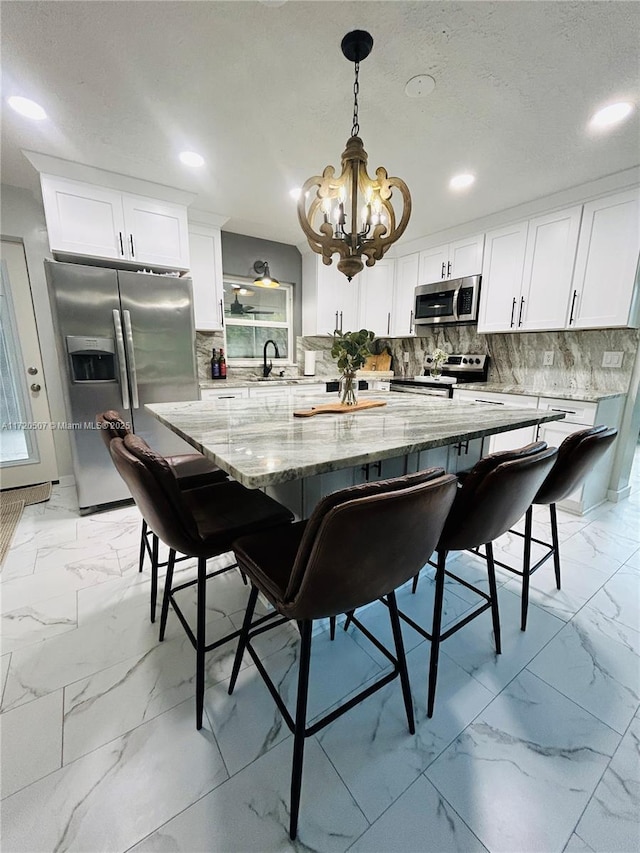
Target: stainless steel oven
(454, 301)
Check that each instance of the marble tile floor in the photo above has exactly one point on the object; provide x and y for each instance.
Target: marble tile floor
(536, 750)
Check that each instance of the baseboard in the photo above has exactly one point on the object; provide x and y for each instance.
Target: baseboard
(617, 495)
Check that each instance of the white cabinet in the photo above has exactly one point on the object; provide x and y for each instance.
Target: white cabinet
(330, 301)
(406, 281)
(453, 260)
(376, 297)
(527, 273)
(502, 272)
(205, 250)
(223, 393)
(605, 280)
(88, 220)
(513, 438)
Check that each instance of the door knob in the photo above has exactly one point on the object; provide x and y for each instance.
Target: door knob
(35, 387)
(32, 371)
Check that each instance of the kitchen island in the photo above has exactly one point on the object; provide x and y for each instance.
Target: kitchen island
(261, 444)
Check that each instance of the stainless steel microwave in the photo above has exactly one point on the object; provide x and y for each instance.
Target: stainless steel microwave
(454, 301)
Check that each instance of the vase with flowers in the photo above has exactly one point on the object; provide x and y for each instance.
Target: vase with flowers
(351, 350)
(438, 357)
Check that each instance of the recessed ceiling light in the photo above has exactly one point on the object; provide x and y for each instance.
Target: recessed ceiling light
(26, 107)
(190, 158)
(460, 182)
(611, 115)
(295, 193)
(420, 86)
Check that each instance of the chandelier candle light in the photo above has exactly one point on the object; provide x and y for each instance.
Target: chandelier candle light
(353, 200)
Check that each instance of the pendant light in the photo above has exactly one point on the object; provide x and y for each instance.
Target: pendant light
(352, 215)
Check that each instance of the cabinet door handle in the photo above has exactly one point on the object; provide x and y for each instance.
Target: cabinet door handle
(520, 311)
(336, 328)
(449, 269)
(221, 313)
(389, 322)
(121, 243)
(411, 323)
(133, 251)
(573, 305)
(513, 308)
(443, 270)
(567, 411)
(365, 471)
(341, 322)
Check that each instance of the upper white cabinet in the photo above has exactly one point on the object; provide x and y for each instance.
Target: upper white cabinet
(205, 249)
(330, 301)
(527, 273)
(453, 260)
(84, 219)
(406, 281)
(607, 263)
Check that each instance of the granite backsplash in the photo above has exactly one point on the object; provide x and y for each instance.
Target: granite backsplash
(516, 359)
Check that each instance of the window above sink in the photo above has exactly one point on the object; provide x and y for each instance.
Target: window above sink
(254, 315)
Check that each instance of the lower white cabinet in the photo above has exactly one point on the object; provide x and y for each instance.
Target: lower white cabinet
(223, 393)
(513, 438)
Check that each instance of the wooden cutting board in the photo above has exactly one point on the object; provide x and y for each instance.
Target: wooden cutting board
(338, 408)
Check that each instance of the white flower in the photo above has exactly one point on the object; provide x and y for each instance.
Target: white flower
(439, 356)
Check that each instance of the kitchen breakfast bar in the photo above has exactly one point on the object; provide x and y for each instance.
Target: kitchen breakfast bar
(262, 445)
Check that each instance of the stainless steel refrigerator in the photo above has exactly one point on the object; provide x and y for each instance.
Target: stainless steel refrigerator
(124, 339)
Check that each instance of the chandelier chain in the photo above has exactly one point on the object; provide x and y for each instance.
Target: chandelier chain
(355, 129)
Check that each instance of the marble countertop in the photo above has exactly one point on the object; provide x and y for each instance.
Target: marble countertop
(554, 393)
(260, 443)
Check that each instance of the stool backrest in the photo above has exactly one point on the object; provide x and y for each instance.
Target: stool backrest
(154, 488)
(577, 455)
(112, 425)
(363, 542)
(497, 492)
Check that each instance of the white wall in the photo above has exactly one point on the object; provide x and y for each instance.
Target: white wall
(22, 217)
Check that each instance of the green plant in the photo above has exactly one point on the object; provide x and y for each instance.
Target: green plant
(351, 348)
(439, 357)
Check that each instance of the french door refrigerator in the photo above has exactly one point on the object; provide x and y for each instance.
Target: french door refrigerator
(124, 339)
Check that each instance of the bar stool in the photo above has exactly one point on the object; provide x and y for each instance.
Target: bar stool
(200, 523)
(359, 545)
(494, 495)
(192, 470)
(577, 455)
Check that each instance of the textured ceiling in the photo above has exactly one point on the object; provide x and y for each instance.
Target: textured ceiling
(264, 93)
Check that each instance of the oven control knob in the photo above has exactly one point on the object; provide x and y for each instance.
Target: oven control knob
(429, 360)
(477, 361)
(464, 360)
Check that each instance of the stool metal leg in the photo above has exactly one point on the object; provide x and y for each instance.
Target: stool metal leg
(435, 631)
(143, 545)
(154, 576)
(555, 542)
(242, 640)
(200, 638)
(167, 593)
(526, 569)
(332, 627)
(300, 725)
(414, 584)
(493, 591)
(402, 660)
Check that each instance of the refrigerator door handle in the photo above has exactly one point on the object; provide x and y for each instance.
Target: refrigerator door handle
(132, 360)
(122, 362)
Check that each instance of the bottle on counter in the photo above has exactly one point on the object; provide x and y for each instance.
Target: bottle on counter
(222, 365)
(215, 366)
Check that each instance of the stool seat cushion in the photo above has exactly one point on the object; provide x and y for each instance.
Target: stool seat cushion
(270, 557)
(194, 470)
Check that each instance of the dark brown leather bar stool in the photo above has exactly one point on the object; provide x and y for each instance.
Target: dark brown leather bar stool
(359, 545)
(577, 455)
(192, 470)
(200, 523)
(495, 494)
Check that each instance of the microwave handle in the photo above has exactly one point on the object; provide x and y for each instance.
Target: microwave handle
(456, 296)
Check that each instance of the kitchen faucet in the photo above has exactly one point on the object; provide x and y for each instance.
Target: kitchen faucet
(267, 368)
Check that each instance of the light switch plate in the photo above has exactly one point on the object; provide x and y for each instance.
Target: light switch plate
(547, 359)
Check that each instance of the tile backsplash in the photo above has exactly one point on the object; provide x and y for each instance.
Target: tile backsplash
(516, 359)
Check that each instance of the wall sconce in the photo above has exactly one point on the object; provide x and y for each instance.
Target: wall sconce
(264, 275)
(353, 200)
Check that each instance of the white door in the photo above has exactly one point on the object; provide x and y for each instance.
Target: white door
(465, 257)
(156, 232)
(433, 264)
(27, 453)
(548, 269)
(502, 270)
(404, 295)
(607, 261)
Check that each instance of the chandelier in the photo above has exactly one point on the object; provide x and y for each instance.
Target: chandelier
(351, 215)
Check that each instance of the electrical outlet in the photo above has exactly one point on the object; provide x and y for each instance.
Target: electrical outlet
(547, 359)
(612, 359)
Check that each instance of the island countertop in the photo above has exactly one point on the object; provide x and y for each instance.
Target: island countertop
(260, 443)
